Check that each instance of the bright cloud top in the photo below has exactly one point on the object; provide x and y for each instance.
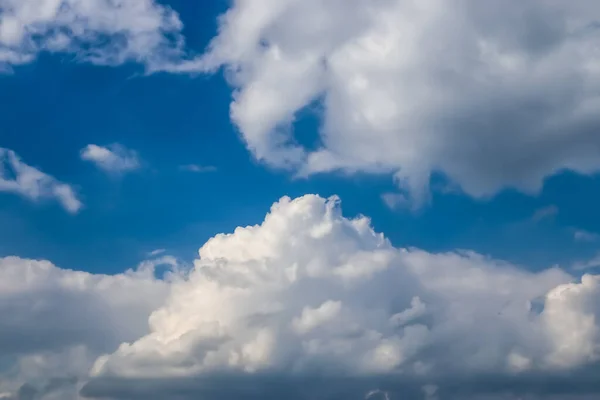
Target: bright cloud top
(490, 94)
(306, 296)
(96, 31)
(33, 184)
(113, 159)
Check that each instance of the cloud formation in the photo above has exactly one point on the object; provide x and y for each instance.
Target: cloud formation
(308, 304)
(198, 168)
(490, 94)
(33, 184)
(582, 235)
(55, 322)
(96, 31)
(114, 158)
(309, 295)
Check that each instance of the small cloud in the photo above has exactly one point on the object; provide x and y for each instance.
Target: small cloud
(593, 262)
(197, 168)
(395, 200)
(29, 182)
(581, 235)
(114, 158)
(156, 252)
(545, 213)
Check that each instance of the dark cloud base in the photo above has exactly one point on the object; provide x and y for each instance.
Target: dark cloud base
(582, 384)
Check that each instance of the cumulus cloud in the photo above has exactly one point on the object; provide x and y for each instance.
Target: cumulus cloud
(55, 322)
(31, 183)
(311, 296)
(490, 94)
(308, 304)
(97, 31)
(114, 158)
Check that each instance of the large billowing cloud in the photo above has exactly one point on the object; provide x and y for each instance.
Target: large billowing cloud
(308, 304)
(491, 94)
(98, 31)
(54, 323)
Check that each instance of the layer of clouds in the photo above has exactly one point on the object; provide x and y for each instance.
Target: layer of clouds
(308, 304)
(114, 158)
(33, 184)
(491, 94)
(97, 31)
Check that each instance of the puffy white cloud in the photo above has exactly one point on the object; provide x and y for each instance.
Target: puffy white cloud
(308, 304)
(311, 296)
(490, 94)
(113, 159)
(103, 32)
(27, 181)
(55, 322)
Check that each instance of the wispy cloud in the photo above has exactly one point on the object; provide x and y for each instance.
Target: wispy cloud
(395, 201)
(114, 158)
(197, 168)
(581, 235)
(545, 213)
(593, 262)
(33, 184)
(156, 252)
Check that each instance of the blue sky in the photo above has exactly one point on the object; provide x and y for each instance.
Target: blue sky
(132, 136)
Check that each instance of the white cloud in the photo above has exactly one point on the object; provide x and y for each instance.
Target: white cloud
(594, 262)
(197, 168)
(543, 213)
(113, 159)
(156, 252)
(29, 182)
(55, 322)
(490, 94)
(311, 292)
(581, 235)
(97, 31)
(309, 304)
(395, 201)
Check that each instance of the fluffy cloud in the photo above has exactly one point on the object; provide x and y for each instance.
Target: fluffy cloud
(55, 322)
(311, 295)
(308, 304)
(97, 31)
(27, 181)
(490, 94)
(113, 159)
